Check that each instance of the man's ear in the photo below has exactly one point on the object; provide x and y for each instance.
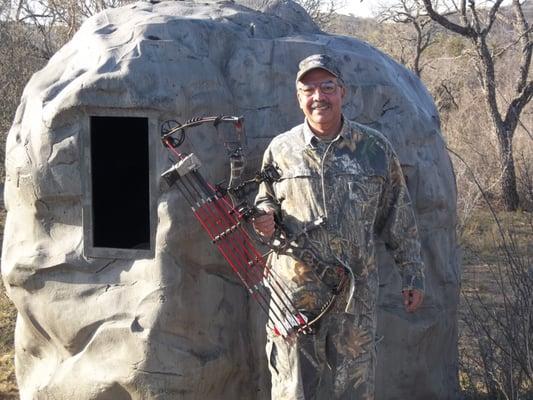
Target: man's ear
(298, 99)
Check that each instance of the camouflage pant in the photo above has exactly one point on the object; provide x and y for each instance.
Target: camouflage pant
(337, 361)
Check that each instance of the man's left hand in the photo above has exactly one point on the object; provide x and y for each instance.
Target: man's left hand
(412, 299)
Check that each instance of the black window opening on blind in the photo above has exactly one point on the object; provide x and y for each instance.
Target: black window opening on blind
(120, 182)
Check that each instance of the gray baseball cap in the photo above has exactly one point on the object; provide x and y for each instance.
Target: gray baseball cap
(321, 61)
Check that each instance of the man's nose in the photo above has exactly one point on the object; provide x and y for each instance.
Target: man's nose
(317, 94)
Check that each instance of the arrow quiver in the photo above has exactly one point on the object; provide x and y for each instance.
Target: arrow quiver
(224, 214)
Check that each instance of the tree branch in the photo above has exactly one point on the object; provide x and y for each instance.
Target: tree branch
(475, 16)
(492, 17)
(517, 105)
(523, 28)
(510, 45)
(465, 31)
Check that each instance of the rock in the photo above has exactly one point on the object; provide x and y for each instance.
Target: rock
(143, 307)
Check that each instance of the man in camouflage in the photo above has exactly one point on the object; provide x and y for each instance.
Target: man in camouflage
(349, 175)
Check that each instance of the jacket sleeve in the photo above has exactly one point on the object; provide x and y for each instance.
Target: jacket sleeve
(397, 225)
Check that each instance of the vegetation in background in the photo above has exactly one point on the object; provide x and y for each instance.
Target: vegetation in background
(8, 384)
(476, 25)
(496, 316)
(422, 35)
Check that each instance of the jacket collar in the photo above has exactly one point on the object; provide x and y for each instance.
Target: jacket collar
(311, 140)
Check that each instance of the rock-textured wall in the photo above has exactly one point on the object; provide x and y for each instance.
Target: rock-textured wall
(177, 325)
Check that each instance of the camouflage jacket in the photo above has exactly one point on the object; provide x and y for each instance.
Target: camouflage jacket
(356, 182)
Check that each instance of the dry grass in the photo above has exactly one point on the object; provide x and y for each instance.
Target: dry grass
(496, 312)
(481, 239)
(8, 384)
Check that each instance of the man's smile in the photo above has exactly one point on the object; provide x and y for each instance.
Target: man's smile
(320, 106)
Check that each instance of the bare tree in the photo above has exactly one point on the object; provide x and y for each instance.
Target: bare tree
(58, 20)
(412, 14)
(31, 31)
(321, 11)
(497, 335)
(475, 24)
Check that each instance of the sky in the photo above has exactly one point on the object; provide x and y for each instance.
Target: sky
(360, 8)
(364, 8)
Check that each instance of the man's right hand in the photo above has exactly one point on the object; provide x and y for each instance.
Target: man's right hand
(264, 224)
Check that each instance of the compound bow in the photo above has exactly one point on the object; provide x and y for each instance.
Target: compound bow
(225, 215)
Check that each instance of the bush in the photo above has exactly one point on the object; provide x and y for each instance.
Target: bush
(496, 318)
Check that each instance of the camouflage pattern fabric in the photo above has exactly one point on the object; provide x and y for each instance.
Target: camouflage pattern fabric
(355, 181)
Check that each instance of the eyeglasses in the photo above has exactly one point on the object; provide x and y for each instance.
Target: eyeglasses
(326, 87)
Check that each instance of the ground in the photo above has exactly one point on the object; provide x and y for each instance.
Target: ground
(495, 314)
(8, 384)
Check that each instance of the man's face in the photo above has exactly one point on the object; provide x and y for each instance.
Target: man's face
(323, 110)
